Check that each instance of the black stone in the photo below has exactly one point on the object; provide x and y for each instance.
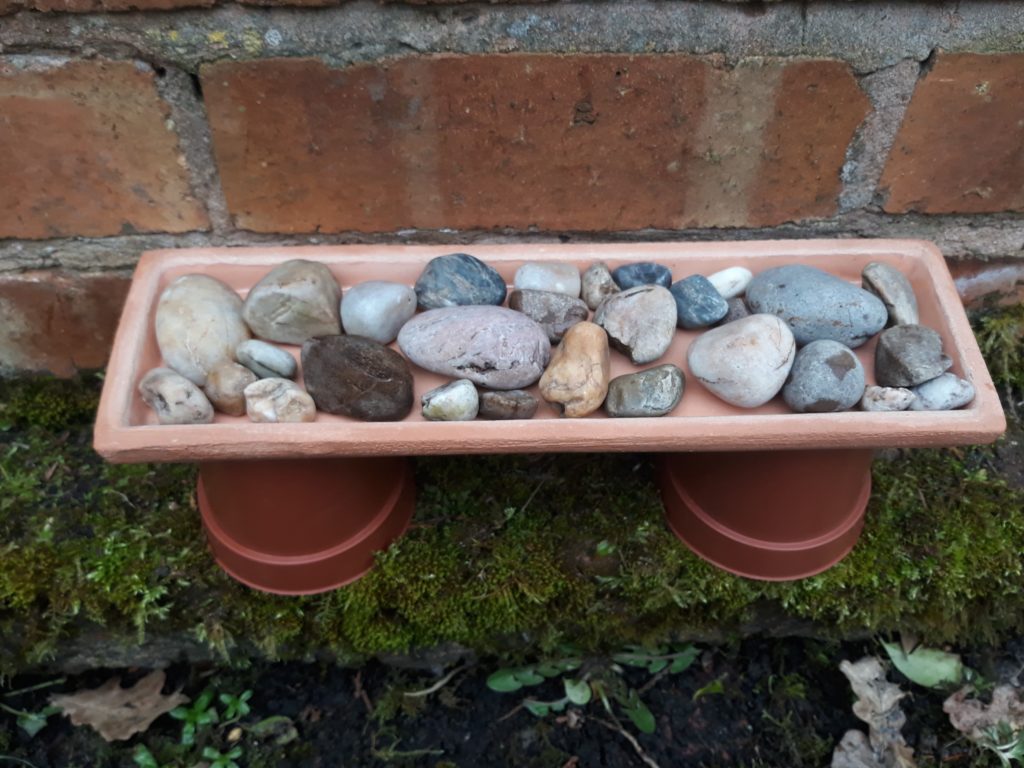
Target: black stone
(642, 273)
(458, 279)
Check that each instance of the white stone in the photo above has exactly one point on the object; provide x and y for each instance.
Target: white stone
(457, 401)
(731, 282)
(555, 277)
(278, 401)
(377, 309)
(266, 360)
(175, 399)
(887, 399)
(944, 393)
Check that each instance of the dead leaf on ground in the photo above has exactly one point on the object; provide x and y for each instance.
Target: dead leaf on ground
(118, 713)
(877, 705)
(973, 717)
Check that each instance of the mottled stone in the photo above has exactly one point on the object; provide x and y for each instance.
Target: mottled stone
(576, 382)
(198, 325)
(507, 404)
(274, 401)
(698, 303)
(826, 377)
(377, 309)
(495, 347)
(943, 393)
(266, 360)
(895, 291)
(731, 282)
(554, 312)
(908, 355)
(640, 322)
(886, 399)
(642, 273)
(175, 399)
(597, 284)
(654, 392)
(225, 387)
(817, 305)
(549, 276)
(455, 401)
(295, 301)
(458, 279)
(738, 309)
(358, 377)
(746, 362)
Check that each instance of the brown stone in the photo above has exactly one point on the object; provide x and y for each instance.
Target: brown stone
(576, 381)
(579, 142)
(91, 153)
(961, 146)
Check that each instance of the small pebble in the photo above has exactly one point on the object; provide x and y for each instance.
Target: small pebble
(895, 291)
(377, 309)
(642, 273)
(654, 392)
(459, 279)
(295, 301)
(640, 322)
(698, 303)
(943, 393)
(455, 401)
(737, 309)
(507, 404)
(908, 355)
(826, 377)
(266, 360)
(576, 381)
(225, 387)
(175, 399)
(597, 284)
(554, 312)
(731, 282)
(549, 276)
(886, 399)
(358, 377)
(278, 401)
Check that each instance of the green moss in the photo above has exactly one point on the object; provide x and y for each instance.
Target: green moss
(1001, 338)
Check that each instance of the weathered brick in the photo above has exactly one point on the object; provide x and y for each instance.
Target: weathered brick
(961, 146)
(93, 151)
(581, 142)
(58, 322)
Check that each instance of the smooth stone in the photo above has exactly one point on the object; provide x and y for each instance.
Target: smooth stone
(455, 401)
(826, 377)
(198, 325)
(943, 393)
(698, 303)
(731, 282)
(908, 355)
(554, 312)
(817, 305)
(549, 276)
(738, 309)
(377, 309)
(266, 360)
(653, 392)
(642, 273)
(358, 377)
(175, 399)
(576, 381)
(278, 401)
(886, 399)
(494, 347)
(507, 404)
(458, 279)
(746, 362)
(295, 301)
(597, 284)
(895, 291)
(225, 387)
(640, 322)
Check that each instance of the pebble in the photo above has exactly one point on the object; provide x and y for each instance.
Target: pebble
(640, 322)
(731, 282)
(642, 273)
(738, 309)
(455, 401)
(377, 309)
(654, 392)
(908, 355)
(826, 377)
(698, 303)
(554, 312)
(895, 291)
(225, 387)
(175, 399)
(507, 404)
(295, 301)
(886, 399)
(746, 362)
(943, 393)
(198, 325)
(494, 347)
(576, 382)
(597, 284)
(278, 401)
(355, 376)
(549, 276)
(266, 360)
(459, 279)
(817, 305)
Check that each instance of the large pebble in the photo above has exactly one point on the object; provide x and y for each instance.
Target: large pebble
(495, 347)
(274, 401)
(642, 273)
(886, 399)
(355, 376)
(377, 309)
(731, 282)
(908, 355)
(640, 322)
(576, 382)
(225, 387)
(198, 325)
(266, 360)
(895, 291)
(554, 312)
(548, 276)
(459, 279)
(597, 284)
(826, 377)
(653, 392)
(698, 303)
(817, 305)
(507, 404)
(175, 399)
(746, 362)
(295, 301)
(455, 401)
(943, 393)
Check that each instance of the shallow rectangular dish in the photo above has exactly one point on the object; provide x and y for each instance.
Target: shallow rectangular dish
(126, 430)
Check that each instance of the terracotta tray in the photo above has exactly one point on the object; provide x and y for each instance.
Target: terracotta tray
(126, 430)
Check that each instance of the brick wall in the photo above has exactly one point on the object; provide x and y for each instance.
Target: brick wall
(196, 123)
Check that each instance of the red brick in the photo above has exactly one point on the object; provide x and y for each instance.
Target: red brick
(961, 146)
(58, 322)
(583, 142)
(89, 152)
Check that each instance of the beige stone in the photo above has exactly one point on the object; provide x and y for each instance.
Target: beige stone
(576, 380)
(225, 387)
(175, 399)
(278, 400)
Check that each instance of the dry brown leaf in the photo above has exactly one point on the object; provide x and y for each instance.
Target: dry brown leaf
(854, 751)
(974, 717)
(877, 705)
(118, 713)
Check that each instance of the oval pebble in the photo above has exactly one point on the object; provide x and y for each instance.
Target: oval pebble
(731, 282)
(266, 360)
(826, 377)
(175, 399)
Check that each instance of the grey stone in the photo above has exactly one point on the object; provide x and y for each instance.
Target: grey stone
(731, 282)
(175, 399)
(886, 399)
(266, 360)
(826, 377)
(458, 279)
(554, 312)
(295, 301)
(817, 305)
(377, 309)
(654, 392)
(455, 401)
(908, 355)
(597, 284)
(551, 276)
(698, 302)
(225, 387)
(642, 273)
(738, 309)
(640, 322)
(943, 393)
(273, 401)
(895, 291)
(507, 404)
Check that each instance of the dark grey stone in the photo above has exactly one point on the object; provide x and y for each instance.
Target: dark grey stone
(826, 377)
(653, 392)
(738, 309)
(642, 273)
(698, 302)
(908, 355)
(458, 279)
(556, 313)
(358, 377)
(508, 404)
